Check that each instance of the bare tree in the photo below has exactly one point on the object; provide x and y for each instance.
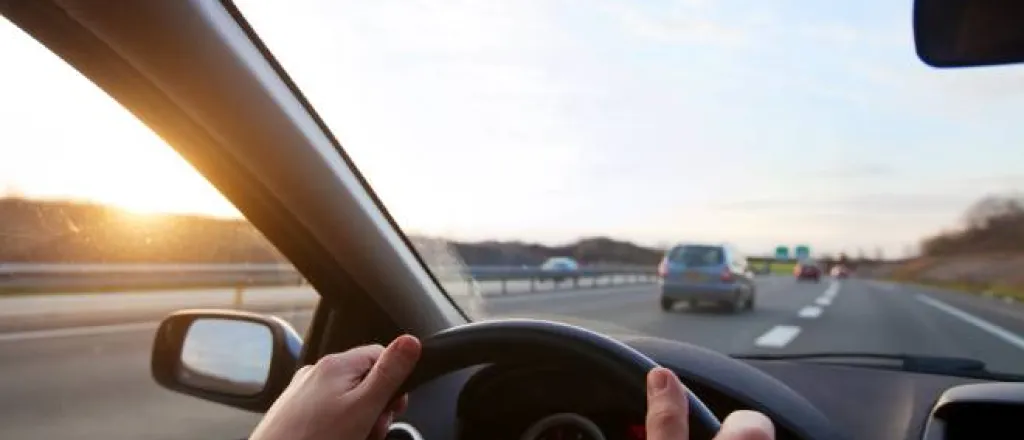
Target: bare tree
(990, 208)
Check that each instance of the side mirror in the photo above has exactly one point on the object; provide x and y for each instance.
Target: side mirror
(238, 359)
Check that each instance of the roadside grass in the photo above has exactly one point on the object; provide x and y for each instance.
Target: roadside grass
(783, 268)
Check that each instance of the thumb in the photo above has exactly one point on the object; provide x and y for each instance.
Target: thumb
(746, 425)
(390, 371)
(667, 408)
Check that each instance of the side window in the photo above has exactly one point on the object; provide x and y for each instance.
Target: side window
(104, 230)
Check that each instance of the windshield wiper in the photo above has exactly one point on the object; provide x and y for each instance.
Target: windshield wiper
(947, 365)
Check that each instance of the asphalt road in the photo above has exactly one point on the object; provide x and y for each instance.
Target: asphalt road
(93, 382)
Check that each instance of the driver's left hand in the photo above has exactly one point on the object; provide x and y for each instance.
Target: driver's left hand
(345, 396)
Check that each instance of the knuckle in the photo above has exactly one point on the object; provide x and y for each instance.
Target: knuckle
(666, 417)
(329, 364)
(354, 359)
(390, 374)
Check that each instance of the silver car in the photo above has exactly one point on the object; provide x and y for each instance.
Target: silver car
(697, 273)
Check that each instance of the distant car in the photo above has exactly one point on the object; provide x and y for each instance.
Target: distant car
(840, 271)
(696, 273)
(807, 270)
(559, 268)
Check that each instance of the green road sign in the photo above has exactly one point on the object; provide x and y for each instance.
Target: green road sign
(782, 252)
(803, 252)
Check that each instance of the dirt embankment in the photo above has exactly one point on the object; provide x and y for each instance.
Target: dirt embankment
(1000, 274)
(984, 255)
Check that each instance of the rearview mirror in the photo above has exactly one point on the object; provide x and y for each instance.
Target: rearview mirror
(960, 33)
(234, 358)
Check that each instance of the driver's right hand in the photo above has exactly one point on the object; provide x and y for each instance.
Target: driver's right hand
(667, 412)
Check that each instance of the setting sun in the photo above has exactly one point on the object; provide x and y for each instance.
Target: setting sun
(73, 141)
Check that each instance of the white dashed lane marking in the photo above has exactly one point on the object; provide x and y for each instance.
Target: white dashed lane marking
(810, 312)
(778, 337)
(832, 291)
(781, 335)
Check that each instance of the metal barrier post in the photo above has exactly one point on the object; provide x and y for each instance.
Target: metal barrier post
(239, 297)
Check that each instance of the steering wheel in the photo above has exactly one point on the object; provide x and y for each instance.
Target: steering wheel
(519, 340)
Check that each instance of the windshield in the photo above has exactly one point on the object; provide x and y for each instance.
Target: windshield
(609, 131)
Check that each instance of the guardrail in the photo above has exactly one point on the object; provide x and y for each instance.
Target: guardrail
(534, 275)
(29, 278)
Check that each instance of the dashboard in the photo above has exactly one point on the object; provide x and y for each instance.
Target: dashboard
(806, 400)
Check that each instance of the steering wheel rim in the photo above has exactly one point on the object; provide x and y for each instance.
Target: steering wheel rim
(510, 340)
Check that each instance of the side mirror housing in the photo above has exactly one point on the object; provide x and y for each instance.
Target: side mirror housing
(243, 360)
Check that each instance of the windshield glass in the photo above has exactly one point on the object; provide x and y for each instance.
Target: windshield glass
(608, 131)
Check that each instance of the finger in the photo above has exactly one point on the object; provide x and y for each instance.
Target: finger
(666, 406)
(380, 427)
(746, 425)
(390, 371)
(399, 404)
(348, 367)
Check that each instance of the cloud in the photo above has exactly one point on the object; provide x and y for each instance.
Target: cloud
(876, 204)
(685, 22)
(855, 171)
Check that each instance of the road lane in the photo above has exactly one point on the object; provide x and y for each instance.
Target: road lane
(869, 317)
(636, 311)
(97, 386)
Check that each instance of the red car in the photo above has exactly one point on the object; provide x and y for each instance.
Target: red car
(807, 270)
(840, 271)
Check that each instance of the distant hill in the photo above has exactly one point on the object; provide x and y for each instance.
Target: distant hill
(34, 231)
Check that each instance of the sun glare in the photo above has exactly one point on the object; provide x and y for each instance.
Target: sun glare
(72, 141)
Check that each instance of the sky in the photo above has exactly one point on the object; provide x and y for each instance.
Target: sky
(757, 123)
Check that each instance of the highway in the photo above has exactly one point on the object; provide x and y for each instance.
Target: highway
(90, 380)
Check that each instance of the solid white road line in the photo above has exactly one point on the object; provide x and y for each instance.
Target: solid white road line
(823, 301)
(982, 324)
(778, 336)
(810, 312)
(78, 331)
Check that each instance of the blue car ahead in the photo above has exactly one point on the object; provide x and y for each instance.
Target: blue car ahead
(700, 273)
